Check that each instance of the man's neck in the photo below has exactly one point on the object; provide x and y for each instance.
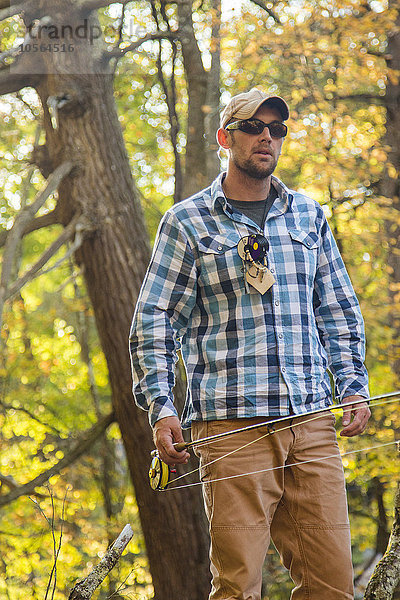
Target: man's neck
(238, 186)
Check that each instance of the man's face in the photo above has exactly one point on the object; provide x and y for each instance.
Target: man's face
(256, 155)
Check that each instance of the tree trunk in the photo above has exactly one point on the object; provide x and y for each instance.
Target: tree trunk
(390, 185)
(213, 94)
(84, 127)
(386, 576)
(195, 176)
(382, 532)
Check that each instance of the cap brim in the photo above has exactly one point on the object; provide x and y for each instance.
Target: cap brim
(250, 109)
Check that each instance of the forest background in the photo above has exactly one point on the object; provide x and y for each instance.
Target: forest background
(97, 140)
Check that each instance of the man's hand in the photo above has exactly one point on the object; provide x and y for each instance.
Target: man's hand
(360, 413)
(165, 432)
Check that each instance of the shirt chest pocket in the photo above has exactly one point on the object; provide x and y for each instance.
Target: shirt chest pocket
(220, 266)
(304, 252)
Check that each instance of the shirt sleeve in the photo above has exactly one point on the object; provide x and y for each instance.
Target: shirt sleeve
(165, 303)
(339, 320)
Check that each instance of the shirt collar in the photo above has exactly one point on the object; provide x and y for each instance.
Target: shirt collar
(280, 205)
(217, 193)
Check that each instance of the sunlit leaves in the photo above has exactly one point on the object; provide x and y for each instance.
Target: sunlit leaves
(327, 59)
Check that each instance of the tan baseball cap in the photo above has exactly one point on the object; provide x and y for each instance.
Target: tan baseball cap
(245, 105)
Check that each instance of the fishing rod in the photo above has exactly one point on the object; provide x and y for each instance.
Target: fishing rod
(284, 466)
(160, 472)
(179, 446)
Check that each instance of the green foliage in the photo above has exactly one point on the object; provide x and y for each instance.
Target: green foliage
(324, 59)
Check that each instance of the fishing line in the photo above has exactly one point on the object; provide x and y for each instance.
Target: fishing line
(272, 421)
(304, 462)
(290, 426)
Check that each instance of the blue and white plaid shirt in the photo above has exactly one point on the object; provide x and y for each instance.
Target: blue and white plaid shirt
(246, 354)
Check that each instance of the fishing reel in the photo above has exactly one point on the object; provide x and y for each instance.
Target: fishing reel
(253, 247)
(159, 472)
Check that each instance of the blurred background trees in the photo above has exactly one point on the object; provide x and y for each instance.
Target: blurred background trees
(146, 102)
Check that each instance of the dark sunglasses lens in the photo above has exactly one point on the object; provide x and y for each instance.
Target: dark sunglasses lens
(255, 127)
(277, 130)
(252, 127)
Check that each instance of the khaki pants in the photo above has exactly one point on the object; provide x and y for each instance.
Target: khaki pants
(302, 508)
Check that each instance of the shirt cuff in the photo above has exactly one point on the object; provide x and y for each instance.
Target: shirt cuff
(353, 389)
(161, 408)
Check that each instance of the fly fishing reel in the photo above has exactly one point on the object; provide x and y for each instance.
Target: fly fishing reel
(159, 472)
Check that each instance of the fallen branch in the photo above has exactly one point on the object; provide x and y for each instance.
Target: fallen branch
(84, 589)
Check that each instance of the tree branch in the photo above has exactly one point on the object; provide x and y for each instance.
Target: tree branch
(8, 481)
(24, 410)
(22, 219)
(271, 13)
(13, 82)
(89, 5)
(363, 97)
(84, 589)
(83, 444)
(11, 10)
(170, 98)
(66, 235)
(378, 53)
(50, 218)
(160, 35)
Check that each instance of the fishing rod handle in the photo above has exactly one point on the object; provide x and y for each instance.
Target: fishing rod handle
(179, 446)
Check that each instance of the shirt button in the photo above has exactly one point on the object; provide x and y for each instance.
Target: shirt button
(219, 247)
(272, 270)
(280, 336)
(283, 370)
(276, 302)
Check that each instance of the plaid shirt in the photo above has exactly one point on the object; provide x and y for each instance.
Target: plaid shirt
(246, 354)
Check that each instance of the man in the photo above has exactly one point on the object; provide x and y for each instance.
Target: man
(247, 281)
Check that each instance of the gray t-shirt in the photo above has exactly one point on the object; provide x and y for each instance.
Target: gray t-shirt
(256, 210)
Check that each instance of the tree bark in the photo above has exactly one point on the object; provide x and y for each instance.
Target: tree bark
(386, 577)
(195, 175)
(382, 531)
(213, 94)
(390, 185)
(114, 256)
(83, 590)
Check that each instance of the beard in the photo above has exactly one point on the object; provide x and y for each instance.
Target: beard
(249, 166)
(254, 170)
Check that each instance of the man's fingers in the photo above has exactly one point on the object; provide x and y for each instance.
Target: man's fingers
(346, 415)
(167, 431)
(359, 423)
(171, 452)
(177, 434)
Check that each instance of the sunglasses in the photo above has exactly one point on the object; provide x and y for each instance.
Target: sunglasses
(255, 127)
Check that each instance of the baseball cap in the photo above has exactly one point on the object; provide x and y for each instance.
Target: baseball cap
(243, 106)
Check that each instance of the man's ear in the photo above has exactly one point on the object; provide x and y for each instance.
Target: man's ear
(224, 139)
